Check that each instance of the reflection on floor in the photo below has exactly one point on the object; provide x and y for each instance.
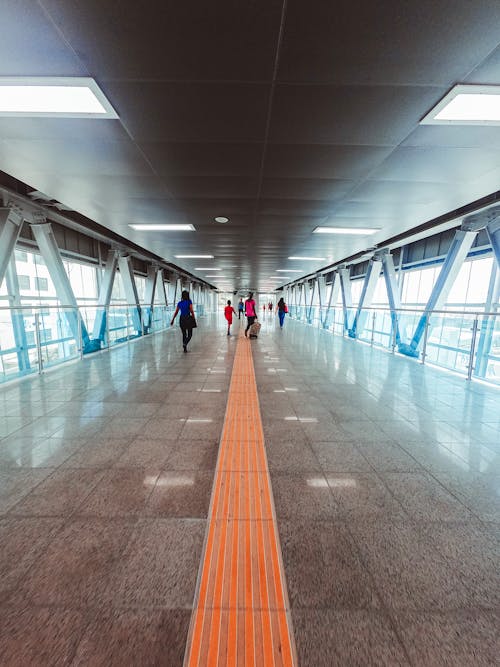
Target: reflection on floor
(386, 485)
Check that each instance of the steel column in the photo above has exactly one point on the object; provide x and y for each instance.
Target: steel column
(365, 301)
(493, 231)
(149, 296)
(334, 295)
(345, 285)
(393, 294)
(127, 275)
(46, 241)
(312, 291)
(104, 298)
(457, 253)
(17, 316)
(160, 289)
(11, 221)
(488, 323)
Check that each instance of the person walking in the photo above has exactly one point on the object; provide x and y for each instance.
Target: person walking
(281, 309)
(187, 320)
(228, 314)
(241, 308)
(250, 311)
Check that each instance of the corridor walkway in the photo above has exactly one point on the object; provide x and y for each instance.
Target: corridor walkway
(385, 478)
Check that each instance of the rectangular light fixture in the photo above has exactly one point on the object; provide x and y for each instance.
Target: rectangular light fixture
(361, 231)
(215, 275)
(194, 256)
(309, 259)
(466, 105)
(288, 271)
(61, 97)
(206, 268)
(163, 227)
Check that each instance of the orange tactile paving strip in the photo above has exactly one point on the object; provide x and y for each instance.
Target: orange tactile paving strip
(241, 607)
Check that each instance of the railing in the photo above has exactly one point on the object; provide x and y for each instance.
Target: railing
(465, 342)
(34, 338)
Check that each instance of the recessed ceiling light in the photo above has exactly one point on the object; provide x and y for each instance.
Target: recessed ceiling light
(309, 259)
(222, 219)
(161, 227)
(194, 256)
(66, 97)
(288, 271)
(206, 268)
(215, 275)
(363, 231)
(467, 105)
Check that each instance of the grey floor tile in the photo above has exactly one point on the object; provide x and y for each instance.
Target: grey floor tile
(423, 497)
(100, 452)
(15, 484)
(289, 456)
(462, 637)
(480, 493)
(40, 636)
(181, 494)
(322, 567)
(363, 495)
(60, 494)
(160, 566)
(360, 638)
(121, 492)
(76, 565)
(337, 456)
(23, 541)
(408, 570)
(303, 496)
(145, 453)
(387, 456)
(134, 637)
(163, 429)
(193, 455)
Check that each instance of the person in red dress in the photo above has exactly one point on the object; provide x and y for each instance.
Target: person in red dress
(228, 314)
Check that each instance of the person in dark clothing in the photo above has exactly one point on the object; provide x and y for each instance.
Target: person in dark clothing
(186, 320)
(250, 311)
(282, 310)
(241, 308)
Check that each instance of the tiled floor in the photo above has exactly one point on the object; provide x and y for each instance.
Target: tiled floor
(386, 481)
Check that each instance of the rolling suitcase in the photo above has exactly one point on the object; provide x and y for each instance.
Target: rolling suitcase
(254, 330)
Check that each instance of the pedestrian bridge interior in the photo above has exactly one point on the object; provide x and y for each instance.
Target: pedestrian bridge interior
(328, 492)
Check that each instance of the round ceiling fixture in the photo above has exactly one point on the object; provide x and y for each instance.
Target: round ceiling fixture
(222, 219)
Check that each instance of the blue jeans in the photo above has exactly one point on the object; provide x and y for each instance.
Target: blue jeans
(281, 315)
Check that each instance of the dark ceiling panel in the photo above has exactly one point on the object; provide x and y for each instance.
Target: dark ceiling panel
(402, 192)
(392, 42)
(31, 46)
(438, 164)
(190, 159)
(217, 206)
(76, 157)
(199, 112)
(314, 161)
(84, 129)
(305, 188)
(293, 207)
(339, 114)
(212, 186)
(488, 72)
(455, 136)
(168, 39)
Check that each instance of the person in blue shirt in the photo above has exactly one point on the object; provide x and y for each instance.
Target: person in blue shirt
(186, 320)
